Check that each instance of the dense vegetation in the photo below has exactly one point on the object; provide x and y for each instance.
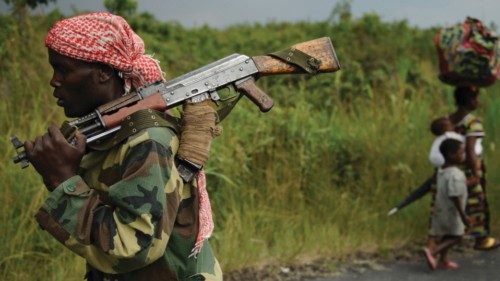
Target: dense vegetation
(313, 178)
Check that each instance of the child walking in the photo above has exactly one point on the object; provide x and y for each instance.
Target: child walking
(442, 129)
(448, 219)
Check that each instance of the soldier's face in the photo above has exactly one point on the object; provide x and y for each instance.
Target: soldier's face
(76, 85)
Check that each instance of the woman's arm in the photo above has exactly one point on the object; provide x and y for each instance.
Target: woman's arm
(471, 159)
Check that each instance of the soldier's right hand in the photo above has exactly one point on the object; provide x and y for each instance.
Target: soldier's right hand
(54, 158)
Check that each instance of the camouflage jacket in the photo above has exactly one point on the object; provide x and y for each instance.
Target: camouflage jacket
(129, 214)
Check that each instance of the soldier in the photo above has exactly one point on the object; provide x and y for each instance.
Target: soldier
(119, 203)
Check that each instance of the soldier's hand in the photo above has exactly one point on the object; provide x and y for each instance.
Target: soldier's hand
(53, 157)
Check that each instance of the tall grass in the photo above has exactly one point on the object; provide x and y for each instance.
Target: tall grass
(312, 178)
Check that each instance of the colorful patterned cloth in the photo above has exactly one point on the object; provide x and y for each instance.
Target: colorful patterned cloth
(129, 214)
(477, 204)
(205, 221)
(105, 38)
(468, 53)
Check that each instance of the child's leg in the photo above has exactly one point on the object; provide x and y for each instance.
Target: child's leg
(431, 242)
(443, 255)
(444, 262)
(446, 243)
(442, 249)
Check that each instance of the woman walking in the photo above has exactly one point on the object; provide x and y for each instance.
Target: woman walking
(470, 126)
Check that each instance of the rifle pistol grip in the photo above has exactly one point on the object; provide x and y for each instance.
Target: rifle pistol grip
(256, 95)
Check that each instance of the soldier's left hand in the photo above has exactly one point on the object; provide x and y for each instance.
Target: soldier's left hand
(54, 158)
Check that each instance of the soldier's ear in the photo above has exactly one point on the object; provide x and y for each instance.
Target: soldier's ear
(106, 72)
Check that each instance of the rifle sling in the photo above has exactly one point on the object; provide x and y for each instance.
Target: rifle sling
(143, 119)
(298, 58)
(134, 123)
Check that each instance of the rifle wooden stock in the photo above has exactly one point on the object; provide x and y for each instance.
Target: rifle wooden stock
(320, 48)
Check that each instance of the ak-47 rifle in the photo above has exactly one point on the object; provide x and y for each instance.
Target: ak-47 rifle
(239, 71)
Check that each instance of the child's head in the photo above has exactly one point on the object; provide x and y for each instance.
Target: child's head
(452, 151)
(441, 125)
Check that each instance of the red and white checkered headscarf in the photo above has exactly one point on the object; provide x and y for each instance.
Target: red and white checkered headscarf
(106, 38)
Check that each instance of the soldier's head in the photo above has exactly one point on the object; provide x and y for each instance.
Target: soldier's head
(96, 58)
(467, 97)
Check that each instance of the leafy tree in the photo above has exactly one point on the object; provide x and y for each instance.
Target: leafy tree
(341, 12)
(125, 8)
(19, 7)
(31, 3)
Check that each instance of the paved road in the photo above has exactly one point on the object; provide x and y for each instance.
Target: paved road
(480, 266)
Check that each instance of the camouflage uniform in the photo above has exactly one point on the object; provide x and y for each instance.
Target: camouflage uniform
(129, 214)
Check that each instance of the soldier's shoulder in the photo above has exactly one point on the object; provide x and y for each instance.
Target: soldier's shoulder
(163, 135)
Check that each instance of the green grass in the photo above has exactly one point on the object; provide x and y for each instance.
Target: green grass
(312, 178)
